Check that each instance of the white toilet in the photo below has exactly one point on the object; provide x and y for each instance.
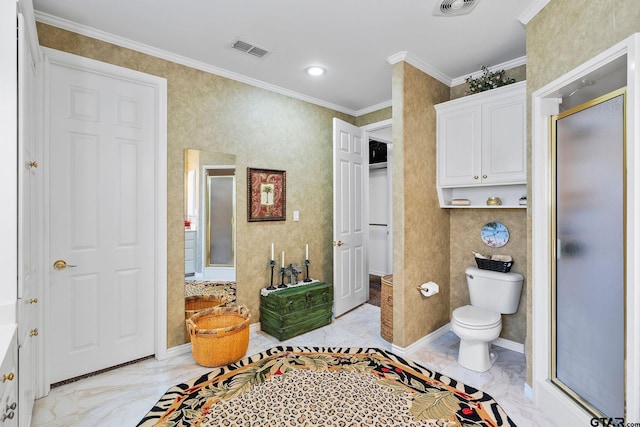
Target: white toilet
(477, 325)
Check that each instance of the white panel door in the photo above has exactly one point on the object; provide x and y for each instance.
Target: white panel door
(350, 175)
(102, 195)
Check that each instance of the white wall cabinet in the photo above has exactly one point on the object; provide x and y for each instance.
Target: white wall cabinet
(482, 147)
(189, 252)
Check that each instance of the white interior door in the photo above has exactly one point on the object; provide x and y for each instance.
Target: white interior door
(350, 182)
(103, 132)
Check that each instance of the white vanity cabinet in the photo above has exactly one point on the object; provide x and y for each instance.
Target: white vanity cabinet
(8, 376)
(189, 252)
(481, 145)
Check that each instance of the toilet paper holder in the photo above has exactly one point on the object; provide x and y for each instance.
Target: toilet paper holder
(429, 289)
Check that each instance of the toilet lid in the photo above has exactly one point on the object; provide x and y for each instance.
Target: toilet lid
(476, 317)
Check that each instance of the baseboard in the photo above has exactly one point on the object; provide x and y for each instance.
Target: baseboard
(500, 342)
(401, 351)
(528, 392)
(255, 327)
(178, 350)
(509, 345)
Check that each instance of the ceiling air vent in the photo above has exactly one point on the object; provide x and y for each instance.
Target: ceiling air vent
(454, 7)
(249, 48)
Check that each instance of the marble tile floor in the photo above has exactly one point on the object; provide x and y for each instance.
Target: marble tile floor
(123, 396)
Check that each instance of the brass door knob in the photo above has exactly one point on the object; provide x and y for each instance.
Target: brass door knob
(33, 164)
(339, 243)
(62, 264)
(9, 377)
(33, 301)
(34, 332)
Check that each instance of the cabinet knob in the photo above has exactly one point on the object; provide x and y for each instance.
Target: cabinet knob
(484, 176)
(9, 415)
(9, 377)
(33, 301)
(475, 177)
(12, 407)
(33, 164)
(34, 332)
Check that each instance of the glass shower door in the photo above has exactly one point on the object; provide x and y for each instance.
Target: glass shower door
(589, 248)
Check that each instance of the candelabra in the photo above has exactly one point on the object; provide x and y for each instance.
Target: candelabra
(272, 264)
(306, 264)
(282, 272)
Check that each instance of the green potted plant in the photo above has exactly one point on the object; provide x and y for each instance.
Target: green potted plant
(487, 81)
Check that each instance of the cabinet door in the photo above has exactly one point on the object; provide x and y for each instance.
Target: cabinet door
(8, 385)
(459, 146)
(503, 141)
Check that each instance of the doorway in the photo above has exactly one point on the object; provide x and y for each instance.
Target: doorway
(105, 300)
(380, 207)
(588, 279)
(613, 69)
(351, 218)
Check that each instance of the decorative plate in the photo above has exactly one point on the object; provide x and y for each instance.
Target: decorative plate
(494, 234)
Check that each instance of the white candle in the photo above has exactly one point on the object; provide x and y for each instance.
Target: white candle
(282, 259)
(272, 252)
(307, 252)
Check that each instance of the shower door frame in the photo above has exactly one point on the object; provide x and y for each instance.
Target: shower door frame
(566, 388)
(558, 406)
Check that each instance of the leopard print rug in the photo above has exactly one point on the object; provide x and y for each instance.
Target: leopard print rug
(311, 386)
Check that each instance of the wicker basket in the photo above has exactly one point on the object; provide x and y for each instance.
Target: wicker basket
(490, 264)
(386, 308)
(219, 335)
(195, 303)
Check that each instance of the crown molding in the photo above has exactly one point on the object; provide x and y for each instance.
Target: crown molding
(409, 58)
(420, 65)
(503, 66)
(159, 53)
(532, 11)
(373, 108)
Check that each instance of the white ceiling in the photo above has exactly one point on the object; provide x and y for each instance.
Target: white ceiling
(353, 39)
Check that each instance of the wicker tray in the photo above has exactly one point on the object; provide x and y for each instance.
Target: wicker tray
(219, 335)
(489, 264)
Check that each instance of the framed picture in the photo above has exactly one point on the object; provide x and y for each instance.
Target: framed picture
(266, 195)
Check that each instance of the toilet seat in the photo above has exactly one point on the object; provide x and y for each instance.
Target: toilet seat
(472, 317)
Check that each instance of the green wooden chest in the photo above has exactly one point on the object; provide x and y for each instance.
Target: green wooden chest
(293, 311)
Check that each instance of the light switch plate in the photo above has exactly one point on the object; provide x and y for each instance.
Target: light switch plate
(296, 215)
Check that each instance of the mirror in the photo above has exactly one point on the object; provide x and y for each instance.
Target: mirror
(210, 215)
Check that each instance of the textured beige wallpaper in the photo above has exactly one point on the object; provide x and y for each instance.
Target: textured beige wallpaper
(421, 228)
(373, 117)
(565, 34)
(263, 130)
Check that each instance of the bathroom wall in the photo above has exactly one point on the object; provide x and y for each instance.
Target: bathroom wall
(565, 34)
(264, 130)
(373, 117)
(421, 228)
(465, 237)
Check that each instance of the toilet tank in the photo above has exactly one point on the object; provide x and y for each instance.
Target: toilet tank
(494, 291)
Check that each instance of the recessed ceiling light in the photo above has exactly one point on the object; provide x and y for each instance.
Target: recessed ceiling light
(315, 70)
